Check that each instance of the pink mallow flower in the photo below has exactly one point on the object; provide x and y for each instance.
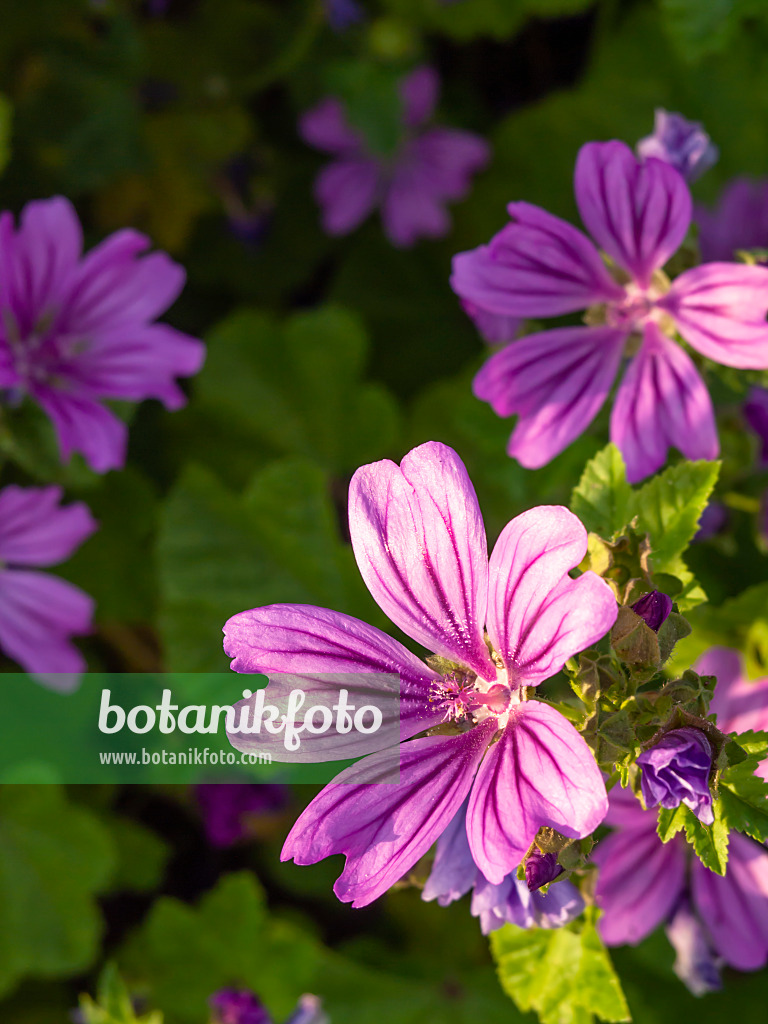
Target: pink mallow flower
(710, 919)
(39, 612)
(638, 213)
(431, 166)
(420, 545)
(75, 330)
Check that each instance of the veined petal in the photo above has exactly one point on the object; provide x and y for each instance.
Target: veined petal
(556, 382)
(347, 190)
(384, 829)
(36, 530)
(741, 704)
(540, 773)
(637, 211)
(303, 638)
(734, 907)
(83, 425)
(420, 544)
(454, 872)
(639, 882)
(720, 309)
(662, 401)
(537, 266)
(538, 616)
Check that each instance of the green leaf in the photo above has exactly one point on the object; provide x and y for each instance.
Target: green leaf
(220, 553)
(742, 793)
(740, 622)
(671, 821)
(113, 1003)
(142, 856)
(6, 114)
(602, 499)
(54, 856)
(710, 842)
(699, 28)
(565, 975)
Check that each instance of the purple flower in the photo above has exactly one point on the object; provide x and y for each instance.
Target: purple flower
(492, 328)
(431, 167)
(541, 869)
(557, 380)
(227, 807)
(710, 919)
(419, 541)
(75, 330)
(756, 415)
(679, 142)
(343, 14)
(712, 521)
(676, 770)
(654, 608)
(740, 220)
(39, 612)
(238, 1006)
(454, 873)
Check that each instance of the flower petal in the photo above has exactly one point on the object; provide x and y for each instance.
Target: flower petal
(384, 829)
(448, 158)
(453, 870)
(83, 425)
(412, 207)
(639, 883)
(556, 382)
(537, 266)
(302, 638)
(540, 773)
(637, 211)
(420, 544)
(347, 191)
(325, 126)
(741, 704)
(720, 308)
(538, 616)
(662, 401)
(36, 530)
(419, 92)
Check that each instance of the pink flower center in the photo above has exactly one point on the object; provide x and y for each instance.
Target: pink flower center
(464, 697)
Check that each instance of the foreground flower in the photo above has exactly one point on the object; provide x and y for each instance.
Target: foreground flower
(75, 330)
(39, 612)
(431, 167)
(241, 1006)
(682, 143)
(710, 920)
(228, 808)
(419, 541)
(676, 770)
(739, 221)
(556, 381)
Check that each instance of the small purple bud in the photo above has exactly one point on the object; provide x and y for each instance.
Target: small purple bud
(237, 1006)
(308, 1011)
(756, 415)
(677, 771)
(696, 963)
(343, 14)
(679, 142)
(654, 608)
(541, 868)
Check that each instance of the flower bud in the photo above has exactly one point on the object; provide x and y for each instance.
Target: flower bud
(541, 868)
(676, 770)
(679, 142)
(654, 608)
(233, 1006)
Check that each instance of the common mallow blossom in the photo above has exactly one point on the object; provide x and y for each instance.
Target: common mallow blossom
(638, 213)
(228, 808)
(493, 329)
(419, 540)
(710, 919)
(676, 770)
(431, 166)
(739, 221)
(39, 613)
(76, 330)
(679, 142)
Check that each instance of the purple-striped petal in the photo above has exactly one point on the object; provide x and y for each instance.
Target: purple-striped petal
(538, 616)
(453, 870)
(347, 191)
(662, 402)
(556, 382)
(82, 425)
(637, 211)
(720, 309)
(494, 329)
(302, 639)
(540, 773)
(420, 544)
(639, 883)
(741, 704)
(734, 907)
(384, 829)
(740, 220)
(537, 266)
(36, 530)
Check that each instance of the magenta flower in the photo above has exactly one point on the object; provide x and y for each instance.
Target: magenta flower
(643, 883)
(557, 380)
(431, 167)
(679, 142)
(419, 541)
(654, 608)
(739, 221)
(241, 1006)
(227, 807)
(676, 770)
(75, 330)
(494, 329)
(39, 612)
